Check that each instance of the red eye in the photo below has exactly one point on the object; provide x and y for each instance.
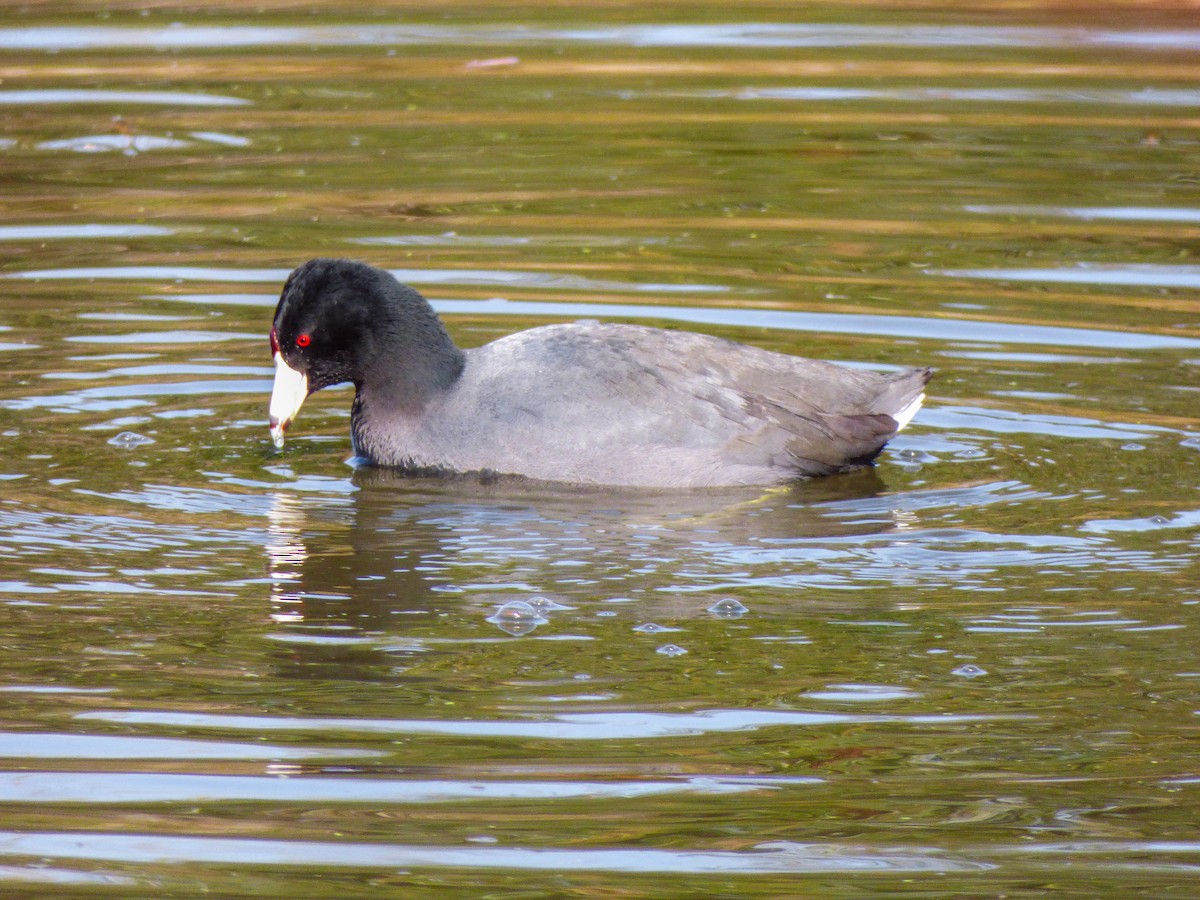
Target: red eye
(303, 340)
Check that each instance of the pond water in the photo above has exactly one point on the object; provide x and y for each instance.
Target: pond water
(968, 671)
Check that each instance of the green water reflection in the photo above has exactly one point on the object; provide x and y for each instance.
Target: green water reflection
(968, 671)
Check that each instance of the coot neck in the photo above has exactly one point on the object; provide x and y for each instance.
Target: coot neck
(414, 358)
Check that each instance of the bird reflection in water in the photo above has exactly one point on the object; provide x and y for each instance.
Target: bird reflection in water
(285, 556)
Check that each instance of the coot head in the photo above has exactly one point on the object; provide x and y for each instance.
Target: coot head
(344, 321)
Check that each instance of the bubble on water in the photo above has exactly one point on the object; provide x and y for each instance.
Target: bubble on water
(1133, 446)
(517, 618)
(582, 676)
(728, 608)
(968, 670)
(544, 604)
(653, 628)
(972, 453)
(912, 457)
(670, 650)
(1193, 441)
(1159, 520)
(127, 440)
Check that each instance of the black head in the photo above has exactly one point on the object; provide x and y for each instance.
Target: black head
(331, 317)
(339, 320)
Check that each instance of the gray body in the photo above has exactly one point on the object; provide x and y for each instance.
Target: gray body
(630, 405)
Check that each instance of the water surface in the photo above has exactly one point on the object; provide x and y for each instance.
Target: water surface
(969, 671)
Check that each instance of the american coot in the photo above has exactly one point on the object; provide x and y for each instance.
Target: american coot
(585, 403)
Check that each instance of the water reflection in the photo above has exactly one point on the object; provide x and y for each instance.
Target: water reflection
(286, 554)
(977, 654)
(89, 231)
(897, 326)
(46, 746)
(1147, 275)
(939, 328)
(415, 276)
(379, 585)
(561, 727)
(454, 239)
(731, 34)
(126, 143)
(1088, 213)
(122, 98)
(778, 856)
(1142, 97)
(140, 788)
(406, 552)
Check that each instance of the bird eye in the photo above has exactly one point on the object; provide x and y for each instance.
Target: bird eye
(303, 340)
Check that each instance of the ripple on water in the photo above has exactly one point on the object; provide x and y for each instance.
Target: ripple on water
(75, 96)
(129, 396)
(43, 745)
(80, 232)
(479, 277)
(107, 143)
(1127, 275)
(1183, 519)
(45, 874)
(1089, 213)
(731, 34)
(776, 856)
(212, 583)
(157, 370)
(931, 328)
(1006, 421)
(564, 726)
(33, 532)
(826, 94)
(455, 239)
(162, 787)
(1033, 621)
(166, 336)
(861, 693)
(964, 559)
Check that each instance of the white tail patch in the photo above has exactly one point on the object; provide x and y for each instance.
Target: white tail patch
(904, 416)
